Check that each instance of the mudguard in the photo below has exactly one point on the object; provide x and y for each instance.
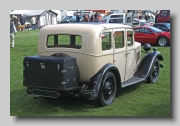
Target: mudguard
(96, 81)
(145, 67)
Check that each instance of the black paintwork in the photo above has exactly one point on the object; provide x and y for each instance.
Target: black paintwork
(51, 78)
(145, 67)
(98, 78)
(50, 72)
(144, 70)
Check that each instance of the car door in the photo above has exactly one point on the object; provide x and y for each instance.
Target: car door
(119, 51)
(145, 36)
(130, 54)
(138, 34)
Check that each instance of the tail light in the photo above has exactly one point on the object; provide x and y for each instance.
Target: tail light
(57, 94)
(29, 91)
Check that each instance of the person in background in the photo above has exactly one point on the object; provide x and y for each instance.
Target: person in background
(96, 18)
(22, 20)
(99, 16)
(12, 32)
(85, 18)
(92, 18)
(16, 21)
(33, 23)
(77, 17)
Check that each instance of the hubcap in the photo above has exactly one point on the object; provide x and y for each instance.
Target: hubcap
(108, 89)
(162, 42)
(155, 73)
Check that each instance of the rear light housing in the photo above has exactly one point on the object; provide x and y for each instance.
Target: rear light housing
(29, 91)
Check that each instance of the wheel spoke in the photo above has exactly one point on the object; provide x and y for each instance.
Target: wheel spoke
(108, 88)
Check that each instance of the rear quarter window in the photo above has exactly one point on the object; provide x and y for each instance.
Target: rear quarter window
(62, 40)
(106, 41)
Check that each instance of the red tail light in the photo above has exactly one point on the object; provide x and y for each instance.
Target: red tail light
(29, 91)
(57, 95)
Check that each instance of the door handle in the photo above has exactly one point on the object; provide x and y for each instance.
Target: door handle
(127, 53)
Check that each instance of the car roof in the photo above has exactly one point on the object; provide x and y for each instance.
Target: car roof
(104, 25)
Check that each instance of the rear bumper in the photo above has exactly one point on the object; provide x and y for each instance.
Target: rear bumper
(57, 93)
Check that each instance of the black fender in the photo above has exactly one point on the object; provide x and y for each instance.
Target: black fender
(96, 80)
(145, 68)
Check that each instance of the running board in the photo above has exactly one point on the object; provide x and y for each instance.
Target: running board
(132, 81)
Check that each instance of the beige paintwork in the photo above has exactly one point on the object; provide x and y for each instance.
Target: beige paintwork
(90, 58)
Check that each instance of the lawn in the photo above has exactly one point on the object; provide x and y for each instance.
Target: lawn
(142, 99)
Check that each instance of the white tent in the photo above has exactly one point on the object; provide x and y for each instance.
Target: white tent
(44, 17)
(27, 12)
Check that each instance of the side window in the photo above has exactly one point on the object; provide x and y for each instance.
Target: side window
(129, 38)
(160, 27)
(155, 26)
(146, 30)
(137, 30)
(106, 41)
(119, 39)
(164, 28)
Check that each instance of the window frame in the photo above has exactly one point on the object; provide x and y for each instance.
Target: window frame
(56, 42)
(110, 42)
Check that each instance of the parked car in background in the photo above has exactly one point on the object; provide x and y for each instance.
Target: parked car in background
(163, 26)
(72, 19)
(65, 20)
(144, 23)
(151, 35)
(163, 16)
(120, 18)
(89, 60)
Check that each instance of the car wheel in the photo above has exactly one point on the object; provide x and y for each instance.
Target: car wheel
(108, 90)
(162, 41)
(154, 76)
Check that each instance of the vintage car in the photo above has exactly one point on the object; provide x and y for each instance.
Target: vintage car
(89, 60)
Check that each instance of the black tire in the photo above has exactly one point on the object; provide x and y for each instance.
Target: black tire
(162, 41)
(154, 76)
(108, 90)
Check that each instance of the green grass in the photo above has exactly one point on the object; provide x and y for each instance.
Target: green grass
(137, 100)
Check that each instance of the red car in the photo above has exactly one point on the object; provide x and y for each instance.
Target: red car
(151, 35)
(163, 17)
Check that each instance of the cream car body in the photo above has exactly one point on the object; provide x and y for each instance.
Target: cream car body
(107, 57)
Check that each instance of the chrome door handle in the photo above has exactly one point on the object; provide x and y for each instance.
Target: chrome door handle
(127, 53)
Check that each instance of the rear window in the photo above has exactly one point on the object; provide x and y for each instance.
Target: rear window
(164, 13)
(62, 40)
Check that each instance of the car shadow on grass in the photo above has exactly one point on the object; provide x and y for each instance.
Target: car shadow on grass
(129, 89)
(22, 104)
